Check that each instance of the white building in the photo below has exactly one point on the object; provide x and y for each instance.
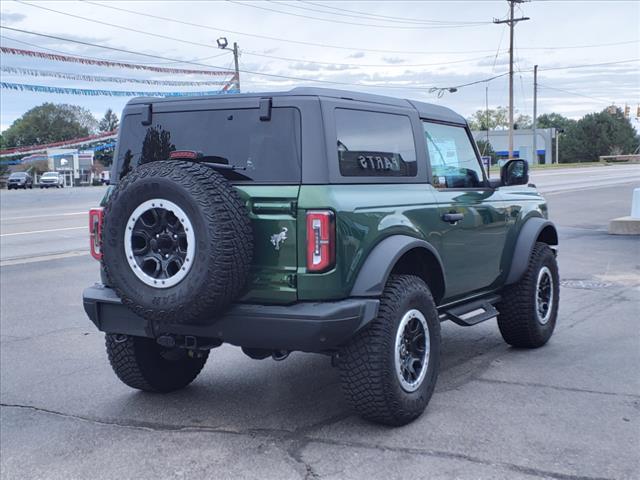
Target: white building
(522, 143)
(76, 165)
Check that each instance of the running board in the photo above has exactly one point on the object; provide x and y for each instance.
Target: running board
(474, 312)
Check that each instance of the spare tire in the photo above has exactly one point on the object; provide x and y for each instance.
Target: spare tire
(176, 242)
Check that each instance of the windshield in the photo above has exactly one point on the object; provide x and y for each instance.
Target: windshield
(50, 174)
(18, 175)
(259, 151)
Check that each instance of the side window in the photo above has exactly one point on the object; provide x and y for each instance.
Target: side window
(453, 159)
(372, 144)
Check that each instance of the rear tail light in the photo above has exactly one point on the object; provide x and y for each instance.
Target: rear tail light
(321, 241)
(95, 232)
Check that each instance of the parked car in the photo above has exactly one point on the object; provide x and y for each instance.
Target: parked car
(19, 180)
(105, 177)
(313, 220)
(51, 179)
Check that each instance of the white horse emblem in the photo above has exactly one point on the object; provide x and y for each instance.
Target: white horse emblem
(279, 238)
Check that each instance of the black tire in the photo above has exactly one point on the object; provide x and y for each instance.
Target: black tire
(521, 323)
(368, 362)
(222, 234)
(143, 364)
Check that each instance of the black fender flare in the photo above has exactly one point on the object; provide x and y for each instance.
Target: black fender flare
(527, 237)
(376, 269)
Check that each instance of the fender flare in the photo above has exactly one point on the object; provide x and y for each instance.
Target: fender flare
(376, 269)
(527, 237)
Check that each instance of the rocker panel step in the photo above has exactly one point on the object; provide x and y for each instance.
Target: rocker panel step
(474, 312)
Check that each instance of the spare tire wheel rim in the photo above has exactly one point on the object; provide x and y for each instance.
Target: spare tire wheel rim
(159, 243)
(412, 347)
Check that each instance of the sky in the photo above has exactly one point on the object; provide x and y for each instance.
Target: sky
(395, 48)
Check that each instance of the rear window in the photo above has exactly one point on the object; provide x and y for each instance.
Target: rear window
(262, 151)
(373, 144)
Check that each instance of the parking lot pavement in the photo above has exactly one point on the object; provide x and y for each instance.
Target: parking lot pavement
(569, 411)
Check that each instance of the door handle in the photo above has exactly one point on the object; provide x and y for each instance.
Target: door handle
(452, 218)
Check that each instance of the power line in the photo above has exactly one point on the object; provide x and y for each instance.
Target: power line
(355, 65)
(352, 65)
(334, 21)
(313, 44)
(576, 94)
(64, 52)
(122, 27)
(367, 16)
(387, 17)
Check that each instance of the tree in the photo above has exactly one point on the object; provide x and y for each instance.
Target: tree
(554, 120)
(497, 119)
(486, 149)
(49, 123)
(109, 122)
(598, 134)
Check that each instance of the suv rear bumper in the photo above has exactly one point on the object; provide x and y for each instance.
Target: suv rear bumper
(305, 326)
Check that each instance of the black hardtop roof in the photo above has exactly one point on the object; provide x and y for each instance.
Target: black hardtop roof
(426, 110)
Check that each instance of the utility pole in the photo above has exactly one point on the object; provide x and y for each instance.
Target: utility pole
(512, 22)
(535, 112)
(235, 59)
(223, 44)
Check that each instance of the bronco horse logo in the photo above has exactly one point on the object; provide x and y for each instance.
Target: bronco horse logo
(279, 238)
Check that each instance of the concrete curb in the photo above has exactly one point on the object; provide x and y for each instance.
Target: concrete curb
(624, 226)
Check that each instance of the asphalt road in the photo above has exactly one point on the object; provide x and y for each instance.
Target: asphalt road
(570, 410)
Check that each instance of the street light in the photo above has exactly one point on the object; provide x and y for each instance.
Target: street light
(223, 43)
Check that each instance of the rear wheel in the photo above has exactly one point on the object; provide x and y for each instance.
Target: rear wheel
(389, 370)
(529, 308)
(143, 364)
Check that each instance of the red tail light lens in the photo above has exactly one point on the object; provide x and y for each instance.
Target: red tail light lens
(95, 232)
(321, 241)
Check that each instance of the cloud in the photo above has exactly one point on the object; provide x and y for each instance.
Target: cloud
(356, 55)
(393, 60)
(489, 62)
(315, 67)
(11, 18)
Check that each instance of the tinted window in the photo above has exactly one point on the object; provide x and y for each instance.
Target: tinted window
(375, 144)
(267, 151)
(453, 159)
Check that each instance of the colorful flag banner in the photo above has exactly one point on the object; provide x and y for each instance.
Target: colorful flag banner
(108, 93)
(109, 63)
(63, 143)
(98, 78)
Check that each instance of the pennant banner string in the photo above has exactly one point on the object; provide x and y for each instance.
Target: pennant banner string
(108, 63)
(108, 93)
(97, 78)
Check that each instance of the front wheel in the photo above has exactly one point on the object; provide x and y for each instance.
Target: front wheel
(389, 370)
(143, 364)
(529, 308)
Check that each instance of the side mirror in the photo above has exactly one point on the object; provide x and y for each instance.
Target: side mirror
(515, 172)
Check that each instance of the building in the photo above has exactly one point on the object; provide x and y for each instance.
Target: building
(75, 165)
(522, 143)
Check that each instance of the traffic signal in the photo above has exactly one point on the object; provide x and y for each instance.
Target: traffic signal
(627, 111)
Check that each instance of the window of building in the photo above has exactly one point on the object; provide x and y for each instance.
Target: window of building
(454, 163)
(373, 144)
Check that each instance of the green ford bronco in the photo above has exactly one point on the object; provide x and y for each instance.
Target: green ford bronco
(319, 221)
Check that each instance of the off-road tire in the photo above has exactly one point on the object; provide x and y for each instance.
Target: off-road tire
(139, 363)
(367, 366)
(223, 239)
(517, 318)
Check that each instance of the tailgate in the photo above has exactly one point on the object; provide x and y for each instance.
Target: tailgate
(272, 210)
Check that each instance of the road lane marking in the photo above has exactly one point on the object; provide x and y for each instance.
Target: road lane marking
(42, 258)
(47, 216)
(44, 231)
